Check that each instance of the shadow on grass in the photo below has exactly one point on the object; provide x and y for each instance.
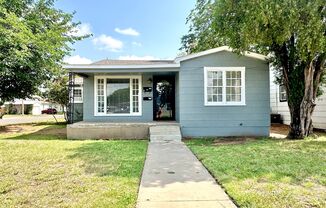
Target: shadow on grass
(53, 132)
(50, 123)
(112, 158)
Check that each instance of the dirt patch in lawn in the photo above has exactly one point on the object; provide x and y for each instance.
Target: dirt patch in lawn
(232, 140)
(279, 129)
(283, 130)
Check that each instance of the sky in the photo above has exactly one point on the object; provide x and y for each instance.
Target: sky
(127, 29)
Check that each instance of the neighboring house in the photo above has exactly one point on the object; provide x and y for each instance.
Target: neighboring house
(211, 93)
(279, 105)
(36, 104)
(32, 106)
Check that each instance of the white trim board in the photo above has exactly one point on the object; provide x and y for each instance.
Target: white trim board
(149, 66)
(219, 49)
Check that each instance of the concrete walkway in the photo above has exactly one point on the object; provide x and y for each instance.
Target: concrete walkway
(174, 178)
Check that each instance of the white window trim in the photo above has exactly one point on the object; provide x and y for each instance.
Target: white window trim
(130, 77)
(280, 94)
(82, 95)
(224, 102)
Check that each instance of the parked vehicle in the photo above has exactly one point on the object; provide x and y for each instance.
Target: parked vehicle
(49, 111)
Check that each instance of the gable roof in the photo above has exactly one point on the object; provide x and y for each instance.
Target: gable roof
(154, 64)
(216, 50)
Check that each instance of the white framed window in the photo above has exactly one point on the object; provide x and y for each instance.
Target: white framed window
(282, 93)
(224, 86)
(78, 95)
(117, 95)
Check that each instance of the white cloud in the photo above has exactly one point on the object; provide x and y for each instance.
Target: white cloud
(81, 30)
(77, 60)
(134, 57)
(108, 43)
(136, 43)
(127, 31)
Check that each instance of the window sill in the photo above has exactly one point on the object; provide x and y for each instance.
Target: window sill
(117, 115)
(224, 104)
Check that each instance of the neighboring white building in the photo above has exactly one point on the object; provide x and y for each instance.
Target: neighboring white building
(34, 105)
(279, 105)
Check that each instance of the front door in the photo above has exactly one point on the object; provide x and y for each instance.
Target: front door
(164, 98)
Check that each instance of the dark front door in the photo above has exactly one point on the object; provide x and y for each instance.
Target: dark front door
(164, 97)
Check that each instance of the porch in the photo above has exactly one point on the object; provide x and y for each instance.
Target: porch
(113, 130)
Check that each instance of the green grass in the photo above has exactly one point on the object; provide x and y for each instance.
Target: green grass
(266, 172)
(41, 168)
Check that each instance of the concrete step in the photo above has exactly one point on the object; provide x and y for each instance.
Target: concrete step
(165, 130)
(165, 133)
(166, 138)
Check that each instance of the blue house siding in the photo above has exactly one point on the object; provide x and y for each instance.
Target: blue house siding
(196, 119)
(147, 106)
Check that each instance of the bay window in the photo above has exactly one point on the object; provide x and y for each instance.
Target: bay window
(224, 86)
(118, 95)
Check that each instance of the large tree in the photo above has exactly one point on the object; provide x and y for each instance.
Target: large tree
(34, 38)
(291, 32)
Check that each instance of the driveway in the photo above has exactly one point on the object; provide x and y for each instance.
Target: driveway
(23, 119)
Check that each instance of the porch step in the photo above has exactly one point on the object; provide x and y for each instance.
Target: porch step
(165, 133)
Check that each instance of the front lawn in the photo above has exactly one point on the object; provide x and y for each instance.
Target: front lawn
(267, 172)
(40, 168)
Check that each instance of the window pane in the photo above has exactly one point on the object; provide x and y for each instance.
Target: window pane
(118, 96)
(77, 93)
(214, 82)
(100, 95)
(214, 86)
(233, 86)
(135, 95)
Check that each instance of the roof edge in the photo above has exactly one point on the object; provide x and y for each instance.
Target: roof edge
(88, 66)
(219, 49)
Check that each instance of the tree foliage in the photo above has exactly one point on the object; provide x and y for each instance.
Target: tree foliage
(57, 91)
(292, 32)
(201, 35)
(34, 38)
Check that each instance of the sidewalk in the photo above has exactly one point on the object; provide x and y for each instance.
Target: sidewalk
(173, 177)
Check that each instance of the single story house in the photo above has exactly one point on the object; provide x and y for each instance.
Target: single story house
(211, 93)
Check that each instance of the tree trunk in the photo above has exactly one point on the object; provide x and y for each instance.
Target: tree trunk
(301, 115)
(301, 96)
(301, 121)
